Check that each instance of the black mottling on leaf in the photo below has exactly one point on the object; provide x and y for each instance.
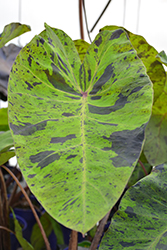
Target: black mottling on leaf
(127, 244)
(50, 42)
(61, 62)
(11, 103)
(41, 40)
(119, 104)
(36, 83)
(46, 176)
(98, 41)
(29, 85)
(48, 160)
(28, 128)
(62, 139)
(67, 114)
(81, 160)
(96, 97)
(96, 50)
(31, 175)
(105, 77)
(110, 124)
(70, 157)
(136, 90)
(89, 75)
(29, 59)
(126, 144)
(37, 43)
(40, 156)
(116, 34)
(72, 97)
(58, 81)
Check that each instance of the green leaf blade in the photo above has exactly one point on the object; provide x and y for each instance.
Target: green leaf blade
(140, 223)
(80, 158)
(11, 31)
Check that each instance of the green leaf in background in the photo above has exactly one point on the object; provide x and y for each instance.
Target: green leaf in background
(163, 57)
(141, 223)
(138, 173)
(5, 156)
(58, 231)
(6, 143)
(82, 47)
(78, 127)
(147, 54)
(155, 147)
(4, 119)
(18, 230)
(37, 240)
(11, 31)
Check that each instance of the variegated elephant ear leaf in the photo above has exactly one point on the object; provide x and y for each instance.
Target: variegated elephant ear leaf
(78, 127)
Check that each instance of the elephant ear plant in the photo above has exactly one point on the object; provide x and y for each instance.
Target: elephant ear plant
(78, 126)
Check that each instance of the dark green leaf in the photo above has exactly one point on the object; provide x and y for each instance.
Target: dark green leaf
(139, 173)
(37, 240)
(4, 119)
(78, 127)
(141, 222)
(57, 230)
(4, 157)
(6, 142)
(18, 230)
(11, 31)
(155, 147)
(82, 48)
(163, 57)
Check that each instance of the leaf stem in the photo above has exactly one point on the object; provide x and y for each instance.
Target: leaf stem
(73, 245)
(143, 167)
(100, 16)
(81, 19)
(7, 229)
(31, 206)
(99, 232)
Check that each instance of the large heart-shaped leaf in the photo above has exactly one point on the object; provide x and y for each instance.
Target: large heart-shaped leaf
(141, 222)
(78, 127)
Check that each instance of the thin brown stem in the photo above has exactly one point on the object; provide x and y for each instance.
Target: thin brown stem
(99, 232)
(7, 229)
(143, 167)
(73, 244)
(81, 20)
(4, 213)
(31, 206)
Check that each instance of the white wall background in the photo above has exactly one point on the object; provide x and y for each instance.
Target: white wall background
(63, 14)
